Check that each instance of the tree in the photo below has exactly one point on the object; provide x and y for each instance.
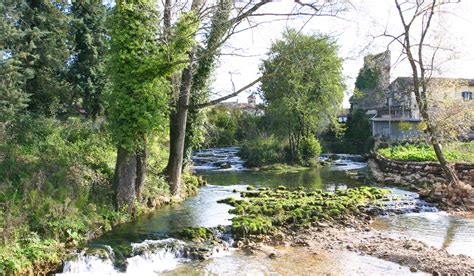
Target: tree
(305, 90)
(13, 73)
(140, 67)
(87, 69)
(358, 133)
(223, 26)
(43, 51)
(417, 18)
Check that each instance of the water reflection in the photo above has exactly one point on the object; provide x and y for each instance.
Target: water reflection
(455, 234)
(323, 178)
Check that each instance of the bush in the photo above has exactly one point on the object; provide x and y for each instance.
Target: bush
(56, 186)
(263, 151)
(309, 149)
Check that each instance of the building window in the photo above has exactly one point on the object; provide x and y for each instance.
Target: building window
(467, 95)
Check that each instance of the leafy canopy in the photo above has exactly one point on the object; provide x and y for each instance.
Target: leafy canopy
(303, 88)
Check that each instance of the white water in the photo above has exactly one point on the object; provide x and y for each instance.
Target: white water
(214, 159)
(153, 256)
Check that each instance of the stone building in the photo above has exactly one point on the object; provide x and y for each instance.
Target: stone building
(399, 118)
(392, 107)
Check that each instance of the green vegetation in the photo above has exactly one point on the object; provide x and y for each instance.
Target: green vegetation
(56, 189)
(367, 78)
(263, 211)
(140, 69)
(296, 109)
(197, 234)
(302, 92)
(268, 152)
(355, 137)
(455, 152)
(263, 151)
(227, 126)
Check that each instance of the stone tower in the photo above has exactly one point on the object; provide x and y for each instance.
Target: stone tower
(372, 82)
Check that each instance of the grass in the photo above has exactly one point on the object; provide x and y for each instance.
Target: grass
(454, 152)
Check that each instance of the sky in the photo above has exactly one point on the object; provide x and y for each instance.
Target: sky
(355, 32)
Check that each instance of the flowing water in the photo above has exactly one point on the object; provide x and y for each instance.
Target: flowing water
(155, 249)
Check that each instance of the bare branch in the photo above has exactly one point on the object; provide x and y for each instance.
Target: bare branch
(234, 94)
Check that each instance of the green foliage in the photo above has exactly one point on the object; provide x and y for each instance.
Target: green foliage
(367, 78)
(309, 149)
(261, 211)
(87, 67)
(227, 126)
(303, 88)
(222, 126)
(139, 68)
(39, 46)
(251, 225)
(206, 57)
(27, 251)
(55, 185)
(358, 134)
(263, 151)
(270, 153)
(454, 152)
(191, 184)
(13, 98)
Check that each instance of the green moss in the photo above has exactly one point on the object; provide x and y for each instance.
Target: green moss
(197, 234)
(261, 211)
(243, 226)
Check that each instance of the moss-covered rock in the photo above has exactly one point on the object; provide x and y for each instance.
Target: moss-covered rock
(197, 234)
(261, 211)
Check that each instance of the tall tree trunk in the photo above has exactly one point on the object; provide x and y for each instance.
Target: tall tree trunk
(125, 177)
(142, 155)
(178, 129)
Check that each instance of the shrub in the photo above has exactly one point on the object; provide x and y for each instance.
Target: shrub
(309, 149)
(263, 151)
(56, 186)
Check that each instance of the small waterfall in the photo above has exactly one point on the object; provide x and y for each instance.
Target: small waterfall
(156, 256)
(344, 162)
(221, 159)
(147, 257)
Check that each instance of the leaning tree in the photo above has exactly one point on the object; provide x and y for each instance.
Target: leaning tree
(418, 19)
(220, 20)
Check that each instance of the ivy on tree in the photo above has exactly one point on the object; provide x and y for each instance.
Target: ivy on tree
(139, 67)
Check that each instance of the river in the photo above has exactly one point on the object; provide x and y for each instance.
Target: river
(156, 251)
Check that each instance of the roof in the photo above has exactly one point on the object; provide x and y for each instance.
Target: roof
(408, 81)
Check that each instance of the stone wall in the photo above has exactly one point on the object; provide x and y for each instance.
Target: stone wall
(415, 173)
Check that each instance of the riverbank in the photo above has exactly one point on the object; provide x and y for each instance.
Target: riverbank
(258, 226)
(362, 239)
